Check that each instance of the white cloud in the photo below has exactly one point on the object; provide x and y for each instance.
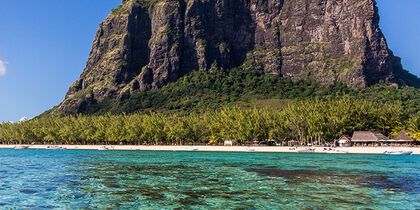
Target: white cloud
(2, 68)
(23, 119)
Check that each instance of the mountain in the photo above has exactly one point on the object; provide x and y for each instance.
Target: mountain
(144, 45)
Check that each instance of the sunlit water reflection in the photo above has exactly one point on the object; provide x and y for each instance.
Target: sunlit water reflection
(140, 179)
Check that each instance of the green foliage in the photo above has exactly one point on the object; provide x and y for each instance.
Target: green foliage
(324, 120)
(147, 3)
(414, 127)
(198, 91)
(256, 106)
(143, 3)
(120, 10)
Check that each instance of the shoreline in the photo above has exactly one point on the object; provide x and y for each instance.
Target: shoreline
(260, 149)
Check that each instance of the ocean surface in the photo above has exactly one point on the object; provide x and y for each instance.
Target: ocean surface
(40, 179)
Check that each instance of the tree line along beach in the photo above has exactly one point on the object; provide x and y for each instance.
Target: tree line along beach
(308, 122)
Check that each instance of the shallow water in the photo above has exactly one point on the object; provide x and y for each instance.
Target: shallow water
(139, 179)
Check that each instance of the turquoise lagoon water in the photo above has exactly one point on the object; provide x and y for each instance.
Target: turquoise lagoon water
(38, 179)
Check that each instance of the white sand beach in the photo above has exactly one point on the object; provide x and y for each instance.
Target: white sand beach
(350, 150)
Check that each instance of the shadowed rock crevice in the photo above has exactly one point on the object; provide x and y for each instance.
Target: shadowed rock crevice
(140, 26)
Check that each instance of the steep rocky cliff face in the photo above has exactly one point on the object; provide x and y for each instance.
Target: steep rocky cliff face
(148, 43)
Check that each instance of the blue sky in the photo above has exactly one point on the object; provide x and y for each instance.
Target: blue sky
(44, 46)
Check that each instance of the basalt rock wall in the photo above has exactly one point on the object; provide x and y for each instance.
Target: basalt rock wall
(148, 43)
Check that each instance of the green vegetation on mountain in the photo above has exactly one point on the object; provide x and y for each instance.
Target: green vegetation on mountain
(198, 91)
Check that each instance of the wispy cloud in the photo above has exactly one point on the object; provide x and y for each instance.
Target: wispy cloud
(23, 119)
(3, 68)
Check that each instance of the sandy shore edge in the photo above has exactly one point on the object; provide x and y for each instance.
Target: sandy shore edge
(350, 150)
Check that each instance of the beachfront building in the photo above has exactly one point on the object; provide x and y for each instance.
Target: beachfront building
(367, 138)
(268, 142)
(228, 142)
(402, 139)
(344, 141)
(292, 143)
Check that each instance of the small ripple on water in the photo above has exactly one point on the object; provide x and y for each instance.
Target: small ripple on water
(359, 162)
(28, 191)
(91, 179)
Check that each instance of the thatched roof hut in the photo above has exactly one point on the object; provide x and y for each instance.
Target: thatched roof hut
(367, 136)
(402, 137)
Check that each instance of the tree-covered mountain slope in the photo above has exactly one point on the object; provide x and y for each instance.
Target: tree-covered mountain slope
(146, 52)
(198, 91)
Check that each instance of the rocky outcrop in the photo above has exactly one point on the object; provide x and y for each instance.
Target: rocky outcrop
(147, 43)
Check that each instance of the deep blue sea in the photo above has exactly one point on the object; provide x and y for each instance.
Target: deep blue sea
(41, 179)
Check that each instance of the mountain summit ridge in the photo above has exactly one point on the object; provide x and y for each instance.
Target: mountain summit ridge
(147, 44)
